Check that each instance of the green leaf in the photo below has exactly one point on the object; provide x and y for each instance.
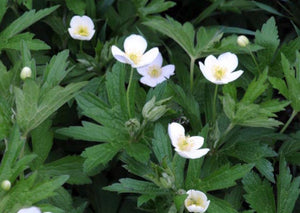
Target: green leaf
(267, 8)
(42, 140)
(77, 6)
(5, 118)
(27, 192)
(99, 154)
(207, 12)
(129, 185)
(155, 6)
(91, 132)
(288, 189)
(267, 38)
(138, 151)
(260, 194)
(224, 177)
(3, 8)
(219, 205)
(178, 170)
(33, 109)
(24, 21)
(280, 85)
(161, 145)
(70, 165)
(266, 168)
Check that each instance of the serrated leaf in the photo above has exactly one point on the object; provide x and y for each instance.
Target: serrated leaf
(5, 118)
(70, 165)
(219, 205)
(155, 6)
(77, 6)
(288, 189)
(178, 170)
(260, 194)
(161, 145)
(138, 151)
(129, 185)
(266, 168)
(99, 154)
(224, 177)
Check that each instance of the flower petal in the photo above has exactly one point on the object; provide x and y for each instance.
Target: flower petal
(88, 22)
(148, 57)
(194, 208)
(193, 154)
(75, 21)
(228, 60)
(168, 70)
(175, 130)
(158, 61)
(151, 82)
(119, 54)
(143, 70)
(206, 72)
(135, 43)
(233, 76)
(197, 141)
(32, 209)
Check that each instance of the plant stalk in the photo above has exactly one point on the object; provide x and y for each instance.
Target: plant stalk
(294, 113)
(192, 64)
(214, 104)
(128, 91)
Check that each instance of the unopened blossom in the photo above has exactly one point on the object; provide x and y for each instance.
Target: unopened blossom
(81, 28)
(135, 55)
(196, 201)
(154, 73)
(220, 70)
(242, 41)
(186, 146)
(5, 185)
(25, 73)
(32, 209)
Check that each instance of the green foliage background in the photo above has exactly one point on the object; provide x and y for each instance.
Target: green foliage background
(69, 142)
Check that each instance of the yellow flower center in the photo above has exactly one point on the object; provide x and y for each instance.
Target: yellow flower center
(82, 31)
(135, 57)
(195, 201)
(219, 72)
(154, 71)
(184, 144)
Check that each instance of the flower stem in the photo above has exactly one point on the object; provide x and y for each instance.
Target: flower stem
(214, 104)
(254, 60)
(229, 128)
(294, 113)
(81, 46)
(192, 72)
(128, 91)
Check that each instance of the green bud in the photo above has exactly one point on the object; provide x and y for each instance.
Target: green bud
(166, 180)
(25, 73)
(153, 110)
(5, 185)
(242, 41)
(132, 126)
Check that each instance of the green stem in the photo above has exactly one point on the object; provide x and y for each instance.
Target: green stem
(128, 91)
(229, 128)
(254, 60)
(214, 104)
(192, 72)
(294, 113)
(21, 155)
(81, 46)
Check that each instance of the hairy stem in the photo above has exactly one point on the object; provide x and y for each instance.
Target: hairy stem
(128, 91)
(192, 72)
(294, 113)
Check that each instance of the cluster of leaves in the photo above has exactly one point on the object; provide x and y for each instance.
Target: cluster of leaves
(70, 139)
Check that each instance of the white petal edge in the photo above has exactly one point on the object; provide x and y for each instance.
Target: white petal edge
(197, 141)
(233, 76)
(148, 81)
(193, 154)
(148, 57)
(30, 210)
(229, 60)
(135, 43)
(168, 70)
(175, 130)
(206, 72)
(119, 54)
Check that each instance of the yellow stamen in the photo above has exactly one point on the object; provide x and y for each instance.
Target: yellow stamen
(135, 57)
(184, 144)
(82, 31)
(219, 72)
(154, 71)
(198, 202)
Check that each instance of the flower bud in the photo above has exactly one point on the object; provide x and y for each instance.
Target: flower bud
(5, 185)
(152, 110)
(166, 180)
(242, 41)
(132, 125)
(25, 73)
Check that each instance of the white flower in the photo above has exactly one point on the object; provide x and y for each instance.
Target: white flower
(220, 71)
(196, 201)
(186, 146)
(135, 46)
(32, 209)
(154, 74)
(81, 28)
(25, 73)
